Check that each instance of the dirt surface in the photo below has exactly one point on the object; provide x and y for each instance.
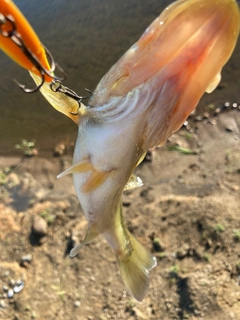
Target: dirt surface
(187, 213)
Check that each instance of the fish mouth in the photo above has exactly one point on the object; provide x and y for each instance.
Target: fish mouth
(191, 27)
(202, 31)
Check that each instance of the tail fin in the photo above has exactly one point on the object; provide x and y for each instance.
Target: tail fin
(135, 269)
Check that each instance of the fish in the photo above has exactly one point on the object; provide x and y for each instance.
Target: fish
(17, 37)
(143, 99)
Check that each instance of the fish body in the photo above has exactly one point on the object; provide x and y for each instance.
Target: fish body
(100, 190)
(9, 10)
(138, 104)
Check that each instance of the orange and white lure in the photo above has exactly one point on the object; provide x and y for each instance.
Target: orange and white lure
(19, 41)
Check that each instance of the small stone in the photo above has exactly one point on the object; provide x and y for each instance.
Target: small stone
(232, 315)
(198, 118)
(77, 304)
(229, 128)
(12, 282)
(206, 115)
(39, 226)
(213, 122)
(10, 293)
(59, 149)
(19, 286)
(140, 314)
(2, 304)
(26, 258)
(5, 288)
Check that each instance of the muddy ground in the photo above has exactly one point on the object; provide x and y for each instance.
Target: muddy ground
(187, 213)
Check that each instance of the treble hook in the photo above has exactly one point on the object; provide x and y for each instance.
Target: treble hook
(23, 87)
(18, 41)
(43, 71)
(57, 86)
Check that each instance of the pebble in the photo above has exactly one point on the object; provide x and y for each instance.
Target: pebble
(2, 304)
(26, 258)
(232, 315)
(6, 274)
(5, 288)
(10, 293)
(12, 282)
(19, 286)
(198, 118)
(229, 128)
(77, 304)
(183, 251)
(59, 150)
(39, 226)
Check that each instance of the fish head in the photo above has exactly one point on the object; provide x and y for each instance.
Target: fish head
(181, 54)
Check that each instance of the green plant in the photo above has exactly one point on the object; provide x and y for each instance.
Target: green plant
(181, 149)
(160, 255)
(28, 147)
(186, 315)
(219, 228)
(174, 271)
(211, 106)
(3, 175)
(156, 245)
(207, 257)
(189, 135)
(132, 303)
(238, 266)
(236, 235)
(48, 216)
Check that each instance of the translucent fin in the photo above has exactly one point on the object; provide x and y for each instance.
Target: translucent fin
(214, 83)
(83, 166)
(141, 159)
(91, 234)
(133, 182)
(59, 100)
(94, 181)
(75, 250)
(135, 269)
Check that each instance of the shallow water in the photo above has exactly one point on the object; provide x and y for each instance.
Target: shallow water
(86, 38)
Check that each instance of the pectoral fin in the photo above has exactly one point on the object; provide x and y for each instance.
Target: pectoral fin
(80, 167)
(141, 159)
(214, 83)
(96, 177)
(95, 180)
(91, 234)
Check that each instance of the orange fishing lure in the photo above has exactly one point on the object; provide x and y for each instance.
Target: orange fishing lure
(19, 41)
